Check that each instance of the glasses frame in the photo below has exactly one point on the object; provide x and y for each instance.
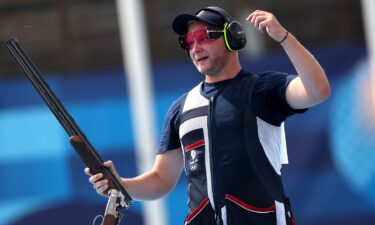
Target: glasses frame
(212, 34)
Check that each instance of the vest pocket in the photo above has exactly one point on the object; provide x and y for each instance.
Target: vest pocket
(202, 215)
(242, 213)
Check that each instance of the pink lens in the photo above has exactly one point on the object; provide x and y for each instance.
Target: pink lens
(200, 36)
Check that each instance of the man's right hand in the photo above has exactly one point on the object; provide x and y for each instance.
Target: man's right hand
(101, 185)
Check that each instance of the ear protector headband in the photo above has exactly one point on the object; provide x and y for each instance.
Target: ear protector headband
(234, 35)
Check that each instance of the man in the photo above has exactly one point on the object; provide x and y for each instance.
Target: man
(227, 132)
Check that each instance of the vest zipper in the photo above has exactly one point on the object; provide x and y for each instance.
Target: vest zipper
(212, 160)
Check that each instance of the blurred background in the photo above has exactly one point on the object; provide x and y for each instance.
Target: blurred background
(77, 46)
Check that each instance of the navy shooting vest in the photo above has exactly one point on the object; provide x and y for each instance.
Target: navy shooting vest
(231, 180)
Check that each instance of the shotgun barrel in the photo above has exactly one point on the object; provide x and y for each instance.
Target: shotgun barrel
(78, 139)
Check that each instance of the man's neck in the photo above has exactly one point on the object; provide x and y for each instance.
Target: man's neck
(228, 72)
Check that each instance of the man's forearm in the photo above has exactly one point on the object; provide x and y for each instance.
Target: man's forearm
(312, 75)
(307, 67)
(148, 186)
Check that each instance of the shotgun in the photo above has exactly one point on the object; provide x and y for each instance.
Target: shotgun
(118, 197)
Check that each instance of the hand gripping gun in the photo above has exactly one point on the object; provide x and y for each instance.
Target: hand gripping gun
(118, 196)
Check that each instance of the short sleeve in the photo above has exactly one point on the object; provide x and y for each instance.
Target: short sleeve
(269, 97)
(170, 136)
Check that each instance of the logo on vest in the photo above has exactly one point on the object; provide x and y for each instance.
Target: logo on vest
(193, 162)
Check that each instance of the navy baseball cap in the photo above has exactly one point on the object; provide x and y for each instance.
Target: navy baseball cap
(180, 23)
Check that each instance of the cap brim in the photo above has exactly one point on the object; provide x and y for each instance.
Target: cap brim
(180, 23)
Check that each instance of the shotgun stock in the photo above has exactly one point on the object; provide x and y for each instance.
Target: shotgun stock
(78, 140)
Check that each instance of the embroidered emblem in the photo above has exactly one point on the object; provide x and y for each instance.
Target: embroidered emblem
(193, 162)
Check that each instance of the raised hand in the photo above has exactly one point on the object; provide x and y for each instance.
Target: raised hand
(268, 23)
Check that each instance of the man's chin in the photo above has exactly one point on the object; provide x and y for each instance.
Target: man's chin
(204, 70)
(201, 69)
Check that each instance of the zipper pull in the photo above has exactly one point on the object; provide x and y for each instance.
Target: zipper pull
(218, 219)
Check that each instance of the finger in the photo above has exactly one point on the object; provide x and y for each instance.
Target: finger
(87, 171)
(102, 190)
(93, 179)
(249, 17)
(263, 26)
(258, 20)
(255, 14)
(98, 185)
(108, 164)
(258, 12)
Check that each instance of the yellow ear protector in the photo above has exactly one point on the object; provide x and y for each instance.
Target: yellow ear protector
(234, 35)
